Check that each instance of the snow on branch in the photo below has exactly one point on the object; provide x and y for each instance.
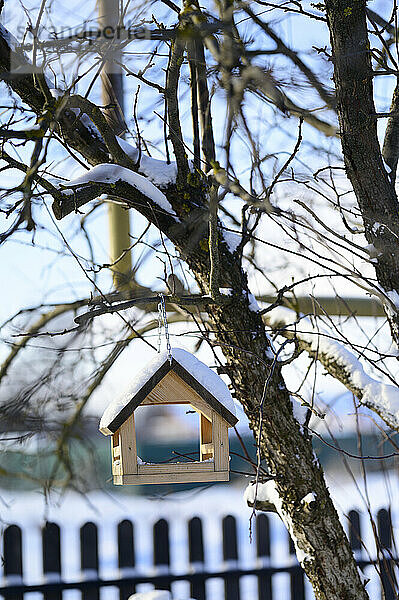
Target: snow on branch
(159, 172)
(9, 38)
(265, 497)
(340, 362)
(111, 173)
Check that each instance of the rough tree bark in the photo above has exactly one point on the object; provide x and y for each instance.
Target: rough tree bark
(365, 168)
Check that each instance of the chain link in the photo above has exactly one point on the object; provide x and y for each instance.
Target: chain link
(159, 326)
(163, 320)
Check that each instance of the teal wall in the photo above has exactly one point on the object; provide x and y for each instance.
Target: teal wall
(92, 461)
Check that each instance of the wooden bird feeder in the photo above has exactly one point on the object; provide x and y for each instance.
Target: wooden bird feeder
(181, 380)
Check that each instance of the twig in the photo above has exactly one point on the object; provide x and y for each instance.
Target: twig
(288, 161)
(214, 243)
(172, 82)
(259, 438)
(349, 454)
(101, 309)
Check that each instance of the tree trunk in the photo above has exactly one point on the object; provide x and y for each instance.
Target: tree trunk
(320, 541)
(365, 168)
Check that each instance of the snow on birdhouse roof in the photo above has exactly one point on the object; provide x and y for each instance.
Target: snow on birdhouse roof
(200, 377)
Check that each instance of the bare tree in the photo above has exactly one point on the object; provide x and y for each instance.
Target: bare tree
(256, 180)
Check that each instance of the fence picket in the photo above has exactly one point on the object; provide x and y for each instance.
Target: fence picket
(196, 557)
(89, 558)
(297, 577)
(263, 553)
(230, 554)
(161, 550)
(12, 556)
(89, 585)
(51, 551)
(355, 537)
(386, 563)
(126, 556)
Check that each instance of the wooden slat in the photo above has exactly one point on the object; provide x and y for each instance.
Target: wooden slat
(173, 390)
(128, 446)
(265, 590)
(126, 556)
(387, 570)
(196, 557)
(161, 545)
(171, 478)
(206, 437)
(207, 449)
(116, 467)
(12, 557)
(89, 557)
(152, 402)
(202, 408)
(12, 551)
(230, 553)
(355, 538)
(116, 454)
(126, 547)
(220, 443)
(51, 553)
(196, 467)
(297, 578)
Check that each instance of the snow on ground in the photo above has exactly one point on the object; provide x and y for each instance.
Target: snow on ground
(30, 510)
(154, 595)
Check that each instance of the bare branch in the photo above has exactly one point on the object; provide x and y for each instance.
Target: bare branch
(339, 362)
(175, 132)
(281, 47)
(43, 320)
(390, 149)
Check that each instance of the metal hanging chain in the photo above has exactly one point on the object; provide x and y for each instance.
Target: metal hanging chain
(159, 326)
(163, 320)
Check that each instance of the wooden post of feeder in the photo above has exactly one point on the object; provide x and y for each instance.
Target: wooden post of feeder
(206, 449)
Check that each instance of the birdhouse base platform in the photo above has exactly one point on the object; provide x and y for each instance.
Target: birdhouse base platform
(157, 477)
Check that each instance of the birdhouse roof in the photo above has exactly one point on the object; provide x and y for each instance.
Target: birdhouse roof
(196, 374)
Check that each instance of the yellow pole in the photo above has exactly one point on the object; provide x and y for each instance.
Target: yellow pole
(112, 93)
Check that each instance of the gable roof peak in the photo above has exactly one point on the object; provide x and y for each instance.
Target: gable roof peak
(200, 377)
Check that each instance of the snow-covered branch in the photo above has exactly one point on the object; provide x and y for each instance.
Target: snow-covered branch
(340, 362)
(111, 174)
(159, 172)
(265, 497)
